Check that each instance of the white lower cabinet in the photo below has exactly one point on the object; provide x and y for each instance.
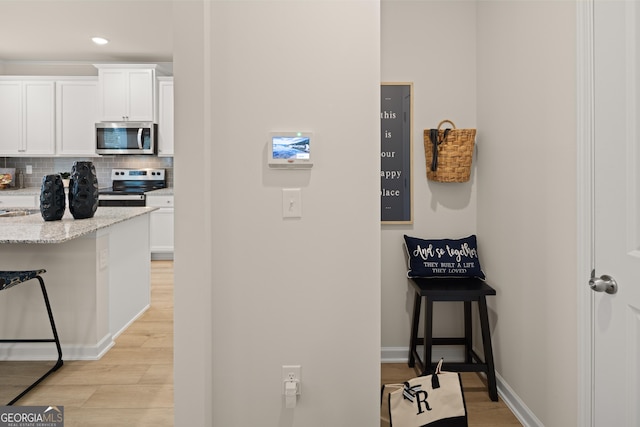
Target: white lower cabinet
(161, 226)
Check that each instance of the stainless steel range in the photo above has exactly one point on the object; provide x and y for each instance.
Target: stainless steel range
(129, 185)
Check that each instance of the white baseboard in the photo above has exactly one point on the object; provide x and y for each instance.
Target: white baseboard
(456, 354)
(130, 322)
(516, 405)
(162, 256)
(47, 351)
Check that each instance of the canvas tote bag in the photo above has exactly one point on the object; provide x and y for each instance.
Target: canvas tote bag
(433, 400)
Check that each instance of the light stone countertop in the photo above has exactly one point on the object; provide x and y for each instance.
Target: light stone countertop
(33, 229)
(161, 192)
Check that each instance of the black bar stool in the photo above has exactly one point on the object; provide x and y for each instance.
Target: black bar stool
(9, 279)
(466, 290)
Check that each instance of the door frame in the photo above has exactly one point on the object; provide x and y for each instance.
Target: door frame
(585, 203)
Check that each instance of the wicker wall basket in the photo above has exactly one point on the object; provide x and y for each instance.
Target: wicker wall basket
(451, 160)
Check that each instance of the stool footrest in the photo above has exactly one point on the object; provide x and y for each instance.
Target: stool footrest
(477, 366)
(443, 341)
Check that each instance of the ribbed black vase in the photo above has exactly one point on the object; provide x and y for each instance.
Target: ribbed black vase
(83, 190)
(52, 202)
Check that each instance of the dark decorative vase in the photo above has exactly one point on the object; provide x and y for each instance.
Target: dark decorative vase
(83, 190)
(52, 196)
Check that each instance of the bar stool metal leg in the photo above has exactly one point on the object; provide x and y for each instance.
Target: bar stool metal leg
(55, 339)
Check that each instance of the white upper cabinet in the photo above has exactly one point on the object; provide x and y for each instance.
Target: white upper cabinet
(10, 117)
(165, 116)
(27, 117)
(77, 114)
(39, 117)
(127, 92)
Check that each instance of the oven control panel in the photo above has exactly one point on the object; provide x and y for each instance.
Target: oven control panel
(138, 174)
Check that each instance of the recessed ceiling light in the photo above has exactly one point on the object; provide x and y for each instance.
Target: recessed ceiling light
(99, 40)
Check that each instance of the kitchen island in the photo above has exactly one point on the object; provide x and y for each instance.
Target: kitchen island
(98, 280)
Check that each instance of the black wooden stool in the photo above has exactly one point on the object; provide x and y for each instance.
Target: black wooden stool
(453, 289)
(9, 279)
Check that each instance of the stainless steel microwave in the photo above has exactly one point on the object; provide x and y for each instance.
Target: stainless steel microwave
(126, 138)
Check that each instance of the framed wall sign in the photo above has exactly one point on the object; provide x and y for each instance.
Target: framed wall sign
(396, 147)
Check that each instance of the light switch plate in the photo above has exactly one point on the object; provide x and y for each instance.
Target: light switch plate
(291, 203)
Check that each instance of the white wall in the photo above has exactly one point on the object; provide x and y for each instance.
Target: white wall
(193, 264)
(527, 197)
(432, 44)
(303, 291)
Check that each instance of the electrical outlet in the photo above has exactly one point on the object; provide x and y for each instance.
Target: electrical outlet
(291, 373)
(29, 169)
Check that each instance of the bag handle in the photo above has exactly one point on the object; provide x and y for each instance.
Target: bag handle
(435, 141)
(435, 382)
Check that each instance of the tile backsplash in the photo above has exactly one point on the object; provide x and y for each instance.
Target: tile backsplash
(42, 166)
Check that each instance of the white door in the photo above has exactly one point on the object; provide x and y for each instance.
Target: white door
(616, 316)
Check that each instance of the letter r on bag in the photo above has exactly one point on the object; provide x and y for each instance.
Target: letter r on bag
(421, 398)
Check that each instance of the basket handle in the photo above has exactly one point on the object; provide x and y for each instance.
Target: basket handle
(446, 121)
(433, 135)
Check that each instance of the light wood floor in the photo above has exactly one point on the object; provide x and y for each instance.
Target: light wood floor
(132, 384)
(481, 411)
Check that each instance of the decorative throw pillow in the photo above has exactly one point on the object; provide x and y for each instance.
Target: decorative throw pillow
(443, 257)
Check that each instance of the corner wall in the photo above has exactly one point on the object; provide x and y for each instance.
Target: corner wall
(420, 45)
(527, 198)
